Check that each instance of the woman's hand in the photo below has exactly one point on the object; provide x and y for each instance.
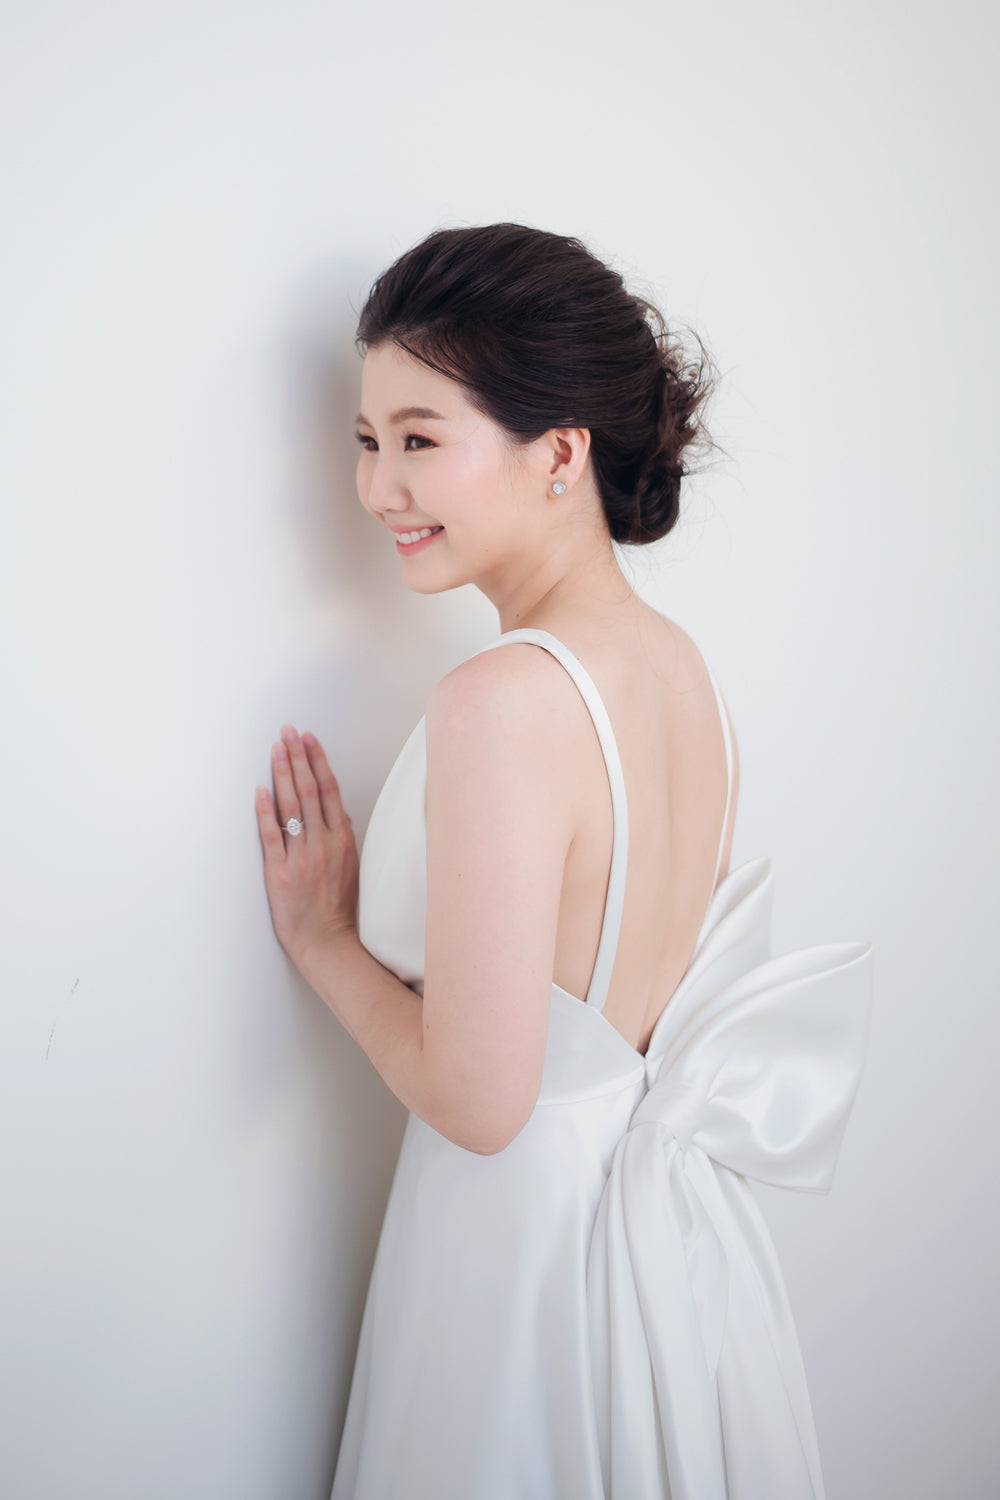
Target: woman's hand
(312, 876)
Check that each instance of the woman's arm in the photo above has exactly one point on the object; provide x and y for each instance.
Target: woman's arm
(468, 1058)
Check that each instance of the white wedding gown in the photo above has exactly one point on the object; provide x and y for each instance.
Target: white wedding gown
(597, 1311)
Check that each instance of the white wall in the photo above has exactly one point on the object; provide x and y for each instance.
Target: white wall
(196, 197)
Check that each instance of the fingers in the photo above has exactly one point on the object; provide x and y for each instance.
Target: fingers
(271, 835)
(303, 780)
(327, 784)
(286, 794)
(305, 788)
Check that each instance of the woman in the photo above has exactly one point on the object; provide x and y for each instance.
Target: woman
(542, 949)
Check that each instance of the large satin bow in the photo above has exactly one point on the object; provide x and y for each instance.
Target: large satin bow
(752, 1071)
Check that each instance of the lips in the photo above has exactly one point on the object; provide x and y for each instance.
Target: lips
(423, 541)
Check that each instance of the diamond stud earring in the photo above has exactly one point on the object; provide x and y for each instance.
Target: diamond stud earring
(559, 487)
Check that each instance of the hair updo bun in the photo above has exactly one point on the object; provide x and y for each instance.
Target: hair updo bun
(542, 334)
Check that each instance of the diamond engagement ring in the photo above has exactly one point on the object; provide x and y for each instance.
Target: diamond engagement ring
(293, 826)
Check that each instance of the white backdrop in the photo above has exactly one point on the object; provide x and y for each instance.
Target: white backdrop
(196, 198)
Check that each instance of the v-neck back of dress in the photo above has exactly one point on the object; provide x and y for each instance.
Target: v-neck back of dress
(600, 981)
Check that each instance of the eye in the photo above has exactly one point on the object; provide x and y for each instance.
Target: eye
(365, 440)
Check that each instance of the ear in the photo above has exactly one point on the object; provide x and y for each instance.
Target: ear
(567, 450)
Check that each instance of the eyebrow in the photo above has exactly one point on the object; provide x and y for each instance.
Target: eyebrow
(403, 413)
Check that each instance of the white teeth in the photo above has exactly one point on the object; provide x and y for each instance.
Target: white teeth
(414, 536)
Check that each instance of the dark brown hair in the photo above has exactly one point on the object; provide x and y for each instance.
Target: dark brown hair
(542, 334)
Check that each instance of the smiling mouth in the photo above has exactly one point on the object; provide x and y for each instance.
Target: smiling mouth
(417, 540)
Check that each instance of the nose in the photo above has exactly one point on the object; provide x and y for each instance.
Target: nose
(379, 486)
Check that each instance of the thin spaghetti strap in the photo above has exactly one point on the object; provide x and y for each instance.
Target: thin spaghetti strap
(615, 900)
(729, 767)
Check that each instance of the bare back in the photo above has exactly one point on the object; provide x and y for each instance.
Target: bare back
(665, 716)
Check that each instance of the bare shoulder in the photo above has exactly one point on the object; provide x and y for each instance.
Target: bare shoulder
(500, 732)
(512, 688)
(679, 652)
(692, 665)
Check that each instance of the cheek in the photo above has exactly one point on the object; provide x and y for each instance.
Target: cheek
(448, 488)
(473, 481)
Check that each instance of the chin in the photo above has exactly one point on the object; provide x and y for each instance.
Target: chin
(438, 580)
(432, 587)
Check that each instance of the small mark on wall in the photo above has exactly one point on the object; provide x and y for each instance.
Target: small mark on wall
(52, 1032)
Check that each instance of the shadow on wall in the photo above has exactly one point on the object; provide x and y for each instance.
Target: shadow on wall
(358, 676)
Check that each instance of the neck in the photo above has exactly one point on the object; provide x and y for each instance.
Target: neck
(576, 576)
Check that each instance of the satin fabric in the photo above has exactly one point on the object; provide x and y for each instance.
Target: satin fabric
(597, 1312)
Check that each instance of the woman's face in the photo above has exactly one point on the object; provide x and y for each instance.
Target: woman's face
(448, 467)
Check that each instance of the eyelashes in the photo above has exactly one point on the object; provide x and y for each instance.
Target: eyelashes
(364, 440)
